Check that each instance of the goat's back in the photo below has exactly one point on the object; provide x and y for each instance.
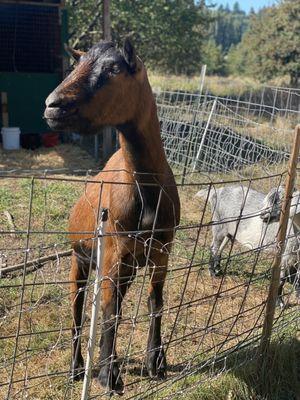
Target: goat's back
(236, 212)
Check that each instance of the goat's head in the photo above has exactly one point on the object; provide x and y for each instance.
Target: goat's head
(272, 205)
(103, 89)
(270, 211)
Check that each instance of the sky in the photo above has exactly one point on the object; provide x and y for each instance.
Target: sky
(245, 4)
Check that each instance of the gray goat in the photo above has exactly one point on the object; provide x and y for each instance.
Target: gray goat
(251, 218)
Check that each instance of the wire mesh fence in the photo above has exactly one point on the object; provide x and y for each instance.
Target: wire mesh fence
(230, 160)
(209, 323)
(30, 37)
(221, 134)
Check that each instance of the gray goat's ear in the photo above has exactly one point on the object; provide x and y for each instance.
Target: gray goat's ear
(281, 193)
(276, 195)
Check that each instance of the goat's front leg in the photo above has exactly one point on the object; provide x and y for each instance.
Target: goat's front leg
(156, 361)
(78, 277)
(217, 246)
(116, 280)
(280, 301)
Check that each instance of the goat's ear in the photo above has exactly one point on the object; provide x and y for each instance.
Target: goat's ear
(276, 195)
(281, 193)
(130, 54)
(75, 54)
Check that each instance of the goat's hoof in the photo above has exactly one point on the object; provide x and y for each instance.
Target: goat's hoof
(215, 273)
(156, 364)
(218, 273)
(77, 372)
(109, 377)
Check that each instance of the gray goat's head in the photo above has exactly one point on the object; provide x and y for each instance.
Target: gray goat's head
(271, 209)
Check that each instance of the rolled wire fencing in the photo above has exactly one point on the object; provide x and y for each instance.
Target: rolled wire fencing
(203, 132)
(209, 324)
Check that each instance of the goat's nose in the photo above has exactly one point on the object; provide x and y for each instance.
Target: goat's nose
(53, 100)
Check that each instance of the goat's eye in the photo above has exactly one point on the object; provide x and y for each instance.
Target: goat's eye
(113, 70)
(116, 69)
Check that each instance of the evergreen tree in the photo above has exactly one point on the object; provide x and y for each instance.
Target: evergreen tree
(213, 57)
(229, 26)
(271, 46)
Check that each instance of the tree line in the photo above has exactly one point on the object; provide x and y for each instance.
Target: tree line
(270, 46)
(178, 36)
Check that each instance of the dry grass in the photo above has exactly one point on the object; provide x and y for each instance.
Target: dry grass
(207, 323)
(219, 86)
(62, 156)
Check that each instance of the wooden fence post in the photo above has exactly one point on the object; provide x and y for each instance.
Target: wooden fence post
(275, 278)
(107, 144)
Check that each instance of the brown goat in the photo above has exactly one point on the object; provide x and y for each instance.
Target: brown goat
(110, 87)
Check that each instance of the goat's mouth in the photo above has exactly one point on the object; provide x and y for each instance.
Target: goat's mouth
(269, 218)
(61, 118)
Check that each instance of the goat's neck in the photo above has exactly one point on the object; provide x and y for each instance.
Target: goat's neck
(141, 142)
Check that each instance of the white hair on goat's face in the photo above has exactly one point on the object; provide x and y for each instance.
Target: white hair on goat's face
(270, 211)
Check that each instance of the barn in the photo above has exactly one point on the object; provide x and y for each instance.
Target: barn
(32, 59)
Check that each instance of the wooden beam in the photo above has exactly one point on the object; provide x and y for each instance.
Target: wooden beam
(106, 25)
(4, 108)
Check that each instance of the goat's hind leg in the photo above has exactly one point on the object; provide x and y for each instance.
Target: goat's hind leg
(293, 278)
(78, 279)
(288, 274)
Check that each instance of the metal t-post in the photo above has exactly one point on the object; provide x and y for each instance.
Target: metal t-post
(95, 305)
(204, 135)
(202, 79)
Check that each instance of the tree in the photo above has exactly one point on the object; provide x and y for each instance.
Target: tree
(236, 8)
(271, 44)
(286, 55)
(229, 26)
(84, 22)
(236, 60)
(168, 34)
(213, 57)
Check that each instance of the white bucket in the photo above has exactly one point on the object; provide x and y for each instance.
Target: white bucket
(11, 138)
